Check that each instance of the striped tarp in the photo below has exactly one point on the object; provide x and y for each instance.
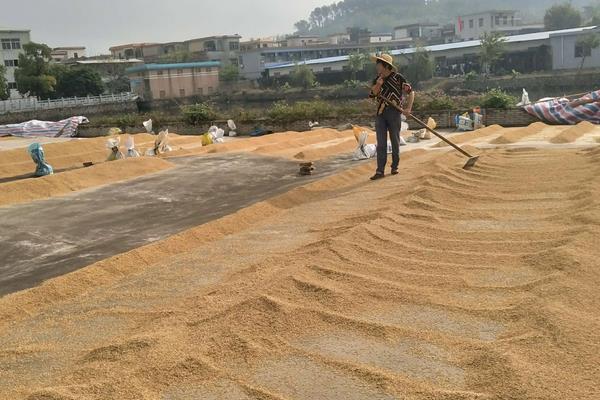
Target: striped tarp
(65, 128)
(558, 111)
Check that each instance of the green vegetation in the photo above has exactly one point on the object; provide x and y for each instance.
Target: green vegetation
(497, 98)
(356, 63)
(36, 76)
(420, 68)
(229, 73)
(199, 113)
(76, 82)
(492, 48)
(587, 43)
(4, 93)
(302, 77)
(562, 16)
(33, 76)
(311, 110)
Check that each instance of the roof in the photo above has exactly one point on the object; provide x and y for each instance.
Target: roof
(70, 48)
(490, 12)
(236, 36)
(529, 37)
(125, 46)
(417, 24)
(109, 61)
(162, 67)
(380, 34)
(8, 29)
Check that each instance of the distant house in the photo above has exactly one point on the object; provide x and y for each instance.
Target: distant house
(567, 53)
(167, 81)
(339, 38)
(60, 54)
(425, 31)
(224, 49)
(11, 45)
(303, 40)
(263, 43)
(506, 22)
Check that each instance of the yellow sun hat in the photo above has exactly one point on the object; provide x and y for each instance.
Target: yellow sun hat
(386, 58)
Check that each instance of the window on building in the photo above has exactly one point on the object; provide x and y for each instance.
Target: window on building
(481, 22)
(327, 69)
(234, 61)
(181, 92)
(471, 24)
(497, 19)
(163, 94)
(505, 20)
(76, 55)
(581, 51)
(8, 44)
(12, 85)
(11, 63)
(234, 46)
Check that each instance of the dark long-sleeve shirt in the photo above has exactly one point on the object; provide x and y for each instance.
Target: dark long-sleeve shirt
(394, 87)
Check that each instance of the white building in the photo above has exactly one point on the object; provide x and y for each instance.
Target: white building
(417, 31)
(67, 53)
(303, 40)
(339, 38)
(473, 26)
(380, 37)
(11, 45)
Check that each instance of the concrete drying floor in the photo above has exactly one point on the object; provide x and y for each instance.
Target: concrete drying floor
(49, 238)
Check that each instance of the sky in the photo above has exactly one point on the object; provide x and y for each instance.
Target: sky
(99, 24)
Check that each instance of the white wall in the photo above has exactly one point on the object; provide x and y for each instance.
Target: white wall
(563, 53)
(12, 54)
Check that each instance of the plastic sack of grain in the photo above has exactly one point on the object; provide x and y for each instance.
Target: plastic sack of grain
(131, 151)
(161, 144)
(115, 152)
(232, 128)
(148, 126)
(39, 158)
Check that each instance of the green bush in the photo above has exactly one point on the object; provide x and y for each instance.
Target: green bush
(441, 102)
(126, 120)
(471, 76)
(497, 98)
(199, 113)
(302, 110)
(352, 84)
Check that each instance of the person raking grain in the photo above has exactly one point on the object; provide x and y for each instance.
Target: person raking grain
(392, 85)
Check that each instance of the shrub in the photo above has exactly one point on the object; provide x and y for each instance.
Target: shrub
(352, 84)
(302, 110)
(471, 76)
(199, 113)
(497, 98)
(441, 102)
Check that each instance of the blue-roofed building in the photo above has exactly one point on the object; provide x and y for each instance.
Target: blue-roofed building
(167, 81)
(525, 53)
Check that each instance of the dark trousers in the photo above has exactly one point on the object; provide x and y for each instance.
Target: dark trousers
(389, 121)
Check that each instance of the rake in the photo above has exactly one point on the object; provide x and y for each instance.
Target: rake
(472, 160)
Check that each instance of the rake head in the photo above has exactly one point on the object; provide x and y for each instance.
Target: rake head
(471, 162)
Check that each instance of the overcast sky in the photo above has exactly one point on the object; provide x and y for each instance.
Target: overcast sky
(99, 24)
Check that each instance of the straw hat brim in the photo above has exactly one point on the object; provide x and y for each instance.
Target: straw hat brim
(377, 58)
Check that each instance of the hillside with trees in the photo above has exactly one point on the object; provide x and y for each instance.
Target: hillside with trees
(384, 15)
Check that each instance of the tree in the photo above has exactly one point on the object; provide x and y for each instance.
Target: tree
(77, 82)
(586, 44)
(492, 48)
(118, 84)
(562, 16)
(32, 75)
(302, 77)
(302, 27)
(356, 63)
(230, 73)
(4, 92)
(420, 67)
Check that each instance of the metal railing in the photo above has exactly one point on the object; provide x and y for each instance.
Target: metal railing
(33, 104)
